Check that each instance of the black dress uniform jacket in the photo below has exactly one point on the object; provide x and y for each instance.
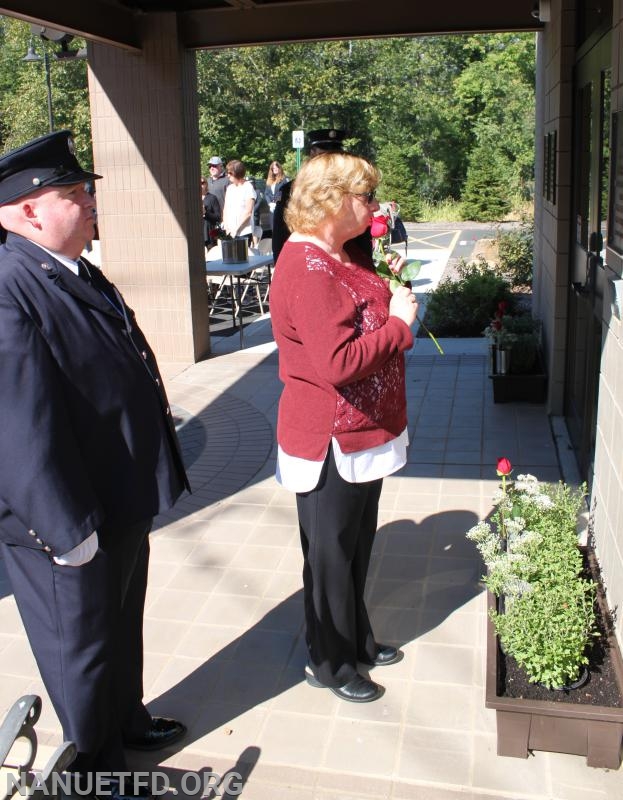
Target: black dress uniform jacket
(86, 431)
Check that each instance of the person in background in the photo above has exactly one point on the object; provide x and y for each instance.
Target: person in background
(239, 202)
(211, 212)
(275, 181)
(342, 422)
(89, 457)
(218, 182)
(324, 140)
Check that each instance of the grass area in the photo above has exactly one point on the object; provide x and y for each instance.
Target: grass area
(449, 210)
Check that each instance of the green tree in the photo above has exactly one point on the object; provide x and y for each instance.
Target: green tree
(495, 94)
(425, 109)
(23, 92)
(485, 195)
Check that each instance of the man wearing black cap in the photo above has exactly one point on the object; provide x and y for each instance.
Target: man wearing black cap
(218, 181)
(89, 456)
(324, 140)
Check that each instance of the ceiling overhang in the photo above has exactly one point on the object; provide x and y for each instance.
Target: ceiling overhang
(223, 23)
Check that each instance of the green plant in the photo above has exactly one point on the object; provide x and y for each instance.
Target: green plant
(515, 251)
(520, 334)
(446, 210)
(463, 307)
(530, 548)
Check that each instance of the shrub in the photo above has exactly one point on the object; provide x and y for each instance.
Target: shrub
(515, 250)
(521, 335)
(463, 307)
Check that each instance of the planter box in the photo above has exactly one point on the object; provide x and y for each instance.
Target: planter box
(523, 725)
(530, 388)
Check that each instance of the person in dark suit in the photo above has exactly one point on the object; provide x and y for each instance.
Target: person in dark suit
(89, 457)
(323, 140)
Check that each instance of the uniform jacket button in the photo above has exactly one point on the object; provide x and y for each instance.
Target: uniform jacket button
(47, 549)
(38, 541)
(32, 533)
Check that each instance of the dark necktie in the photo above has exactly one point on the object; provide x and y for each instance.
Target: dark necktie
(83, 272)
(105, 290)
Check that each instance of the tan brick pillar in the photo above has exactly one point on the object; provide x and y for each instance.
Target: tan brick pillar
(146, 145)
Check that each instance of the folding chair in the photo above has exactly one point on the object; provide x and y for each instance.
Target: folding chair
(216, 283)
(259, 279)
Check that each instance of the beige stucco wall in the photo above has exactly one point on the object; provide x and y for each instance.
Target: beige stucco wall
(146, 145)
(607, 494)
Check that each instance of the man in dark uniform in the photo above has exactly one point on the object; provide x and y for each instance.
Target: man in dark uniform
(89, 456)
(325, 140)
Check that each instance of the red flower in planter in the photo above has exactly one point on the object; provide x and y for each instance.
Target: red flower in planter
(504, 467)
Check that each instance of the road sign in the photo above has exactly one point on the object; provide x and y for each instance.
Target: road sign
(298, 139)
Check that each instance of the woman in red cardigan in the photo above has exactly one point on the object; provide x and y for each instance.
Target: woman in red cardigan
(342, 423)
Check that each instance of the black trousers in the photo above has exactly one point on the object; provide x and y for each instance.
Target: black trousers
(84, 625)
(337, 522)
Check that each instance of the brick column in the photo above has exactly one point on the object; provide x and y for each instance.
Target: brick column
(146, 145)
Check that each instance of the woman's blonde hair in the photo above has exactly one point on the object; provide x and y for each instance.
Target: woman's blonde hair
(321, 184)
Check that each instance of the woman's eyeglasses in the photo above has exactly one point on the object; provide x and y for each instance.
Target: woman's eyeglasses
(369, 197)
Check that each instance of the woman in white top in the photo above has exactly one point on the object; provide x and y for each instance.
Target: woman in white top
(239, 202)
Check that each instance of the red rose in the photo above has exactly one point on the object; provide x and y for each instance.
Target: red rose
(504, 466)
(379, 226)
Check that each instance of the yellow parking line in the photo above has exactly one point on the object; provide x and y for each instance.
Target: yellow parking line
(427, 240)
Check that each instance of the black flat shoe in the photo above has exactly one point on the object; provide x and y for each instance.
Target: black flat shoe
(163, 732)
(357, 690)
(386, 654)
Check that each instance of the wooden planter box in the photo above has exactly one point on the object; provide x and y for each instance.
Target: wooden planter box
(523, 725)
(530, 387)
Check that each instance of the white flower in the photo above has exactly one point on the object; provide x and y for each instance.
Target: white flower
(479, 532)
(514, 526)
(543, 501)
(527, 484)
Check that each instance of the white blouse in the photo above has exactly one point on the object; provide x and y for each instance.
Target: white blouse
(301, 475)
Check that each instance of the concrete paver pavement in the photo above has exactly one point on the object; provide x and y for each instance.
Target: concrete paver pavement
(224, 645)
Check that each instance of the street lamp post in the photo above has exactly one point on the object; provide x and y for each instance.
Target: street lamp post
(33, 57)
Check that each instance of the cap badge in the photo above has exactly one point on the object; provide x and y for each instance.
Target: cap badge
(71, 146)
(36, 181)
(45, 265)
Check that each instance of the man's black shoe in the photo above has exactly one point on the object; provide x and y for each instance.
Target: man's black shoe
(357, 690)
(386, 654)
(163, 732)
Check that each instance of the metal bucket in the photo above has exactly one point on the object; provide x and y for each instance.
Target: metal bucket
(235, 250)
